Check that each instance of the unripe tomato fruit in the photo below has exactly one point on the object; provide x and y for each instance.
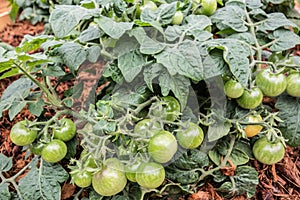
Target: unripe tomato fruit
(190, 137)
(147, 128)
(54, 151)
(111, 179)
(253, 130)
(82, 179)
(293, 84)
(251, 98)
(233, 89)
(37, 148)
(268, 152)
(171, 109)
(150, 175)
(66, 130)
(22, 135)
(208, 7)
(147, 5)
(271, 84)
(131, 170)
(177, 18)
(162, 146)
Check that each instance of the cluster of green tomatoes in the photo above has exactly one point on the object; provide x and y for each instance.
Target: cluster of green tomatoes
(146, 168)
(53, 149)
(268, 83)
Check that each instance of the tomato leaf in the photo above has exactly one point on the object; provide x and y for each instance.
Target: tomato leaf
(13, 97)
(91, 33)
(5, 163)
(151, 72)
(64, 18)
(43, 182)
(235, 54)
(289, 112)
(163, 14)
(179, 85)
(275, 21)
(4, 191)
(281, 43)
(130, 64)
(73, 55)
(245, 181)
(230, 16)
(112, 28)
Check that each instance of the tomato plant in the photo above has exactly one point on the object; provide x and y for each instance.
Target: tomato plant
(65, 131)
(162, 146)
(190, 137)
(144, 75)
(268, 152)
(271, 83)
(54, 151)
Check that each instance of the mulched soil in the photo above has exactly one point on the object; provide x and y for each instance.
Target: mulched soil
(280, 181)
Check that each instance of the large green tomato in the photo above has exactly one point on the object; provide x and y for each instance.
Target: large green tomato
(162, 146)
(150, 175)
(268, 152)
(111, 179)
(251, 98)
(65, 131)
(233, 89)
(54, 151)
(190, 137)
(293, 85)
(271, 84)
(22, 135)
(147, 128)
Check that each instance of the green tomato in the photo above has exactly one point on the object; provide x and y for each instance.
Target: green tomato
(171, 109)
(190, 137)
(111, 179)
(65, 131)
(162, 146)
(131, 170)
(268, 152)
(233, 89)
(150, 175)
(271, 84)
(177, 18)
(251, 98)
(82, 178)
(147, 5)
(293, 85)
(89, 161)
(22, 135)
(54, 151)
(208, 7)
(147, 128)
(37, 148)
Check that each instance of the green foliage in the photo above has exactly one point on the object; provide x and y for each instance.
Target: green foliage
(145, 58)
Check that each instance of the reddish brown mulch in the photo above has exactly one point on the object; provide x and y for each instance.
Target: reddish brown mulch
(280, 181)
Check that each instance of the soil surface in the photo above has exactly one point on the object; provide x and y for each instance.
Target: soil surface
(279, 181)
